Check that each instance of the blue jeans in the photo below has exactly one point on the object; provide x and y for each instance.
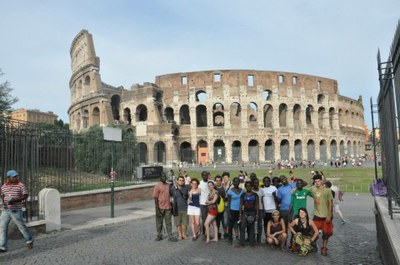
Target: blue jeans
(15, 215)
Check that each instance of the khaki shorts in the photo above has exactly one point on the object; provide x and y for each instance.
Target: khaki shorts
(181, 219)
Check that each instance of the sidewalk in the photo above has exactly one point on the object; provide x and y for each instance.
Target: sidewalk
(101, 216)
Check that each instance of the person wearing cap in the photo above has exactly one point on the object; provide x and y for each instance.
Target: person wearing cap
(12, 194)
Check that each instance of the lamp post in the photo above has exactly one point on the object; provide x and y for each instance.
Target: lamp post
(113, 135)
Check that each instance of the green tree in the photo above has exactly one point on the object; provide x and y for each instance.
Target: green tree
(6, 99)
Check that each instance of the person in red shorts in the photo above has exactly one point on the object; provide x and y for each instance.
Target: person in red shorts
(322, 211)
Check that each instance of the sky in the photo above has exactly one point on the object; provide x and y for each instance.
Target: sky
(138, 40)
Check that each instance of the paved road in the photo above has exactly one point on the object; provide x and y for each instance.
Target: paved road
(133, 243)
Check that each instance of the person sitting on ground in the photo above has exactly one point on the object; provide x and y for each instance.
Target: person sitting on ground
(276, 231)
(212, 212)
(305, 232)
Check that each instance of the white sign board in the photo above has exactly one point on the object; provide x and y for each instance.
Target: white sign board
(112, 134)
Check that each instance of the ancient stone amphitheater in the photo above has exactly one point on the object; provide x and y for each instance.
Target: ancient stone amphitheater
(219, 116)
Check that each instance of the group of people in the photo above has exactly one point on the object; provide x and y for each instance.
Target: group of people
(247, 210)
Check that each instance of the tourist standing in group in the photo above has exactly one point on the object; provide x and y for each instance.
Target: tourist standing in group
(284, 195)
(298, 199)
(212, 212)
(13, 192)
(161, 195)
(248, 213)
(269, 201)
(227, 184)
(305, 232)
(234, 206)
(322, 211)
(337, 200)
(276, 231)
(221, 192)
(260, 193)
(180, 193)
(194, 208)
(203, 198)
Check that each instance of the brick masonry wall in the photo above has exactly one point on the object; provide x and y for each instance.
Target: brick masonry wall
(102, 197)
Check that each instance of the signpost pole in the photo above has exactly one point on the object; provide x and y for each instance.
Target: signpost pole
(112, 180)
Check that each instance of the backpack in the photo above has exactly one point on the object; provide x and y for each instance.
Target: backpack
(221, 205)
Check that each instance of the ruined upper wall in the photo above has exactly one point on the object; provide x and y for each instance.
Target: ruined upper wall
(250, 78)
(82, 52)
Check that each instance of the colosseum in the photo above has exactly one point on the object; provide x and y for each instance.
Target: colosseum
(219, 116)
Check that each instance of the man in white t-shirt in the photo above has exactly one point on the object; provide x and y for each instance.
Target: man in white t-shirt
(269, 202)
(337, 198)
(204, 191)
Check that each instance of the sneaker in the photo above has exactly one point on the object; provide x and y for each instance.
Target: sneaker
(172, 239)
(159, 238)
(343, 222)
(3, 249)
(324, 251)
(29, 244)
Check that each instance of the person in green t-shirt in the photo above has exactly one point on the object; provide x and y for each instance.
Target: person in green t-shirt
(298, 199)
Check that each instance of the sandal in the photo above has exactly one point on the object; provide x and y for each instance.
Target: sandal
(194, 238)
(283, 249)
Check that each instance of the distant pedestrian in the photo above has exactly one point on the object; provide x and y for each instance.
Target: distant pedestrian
(161, 195)
(337, 200)
(12, 194)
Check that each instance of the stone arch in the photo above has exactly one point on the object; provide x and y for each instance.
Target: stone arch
(143, 153)
(347, 117)
(218, 115)
(342, 149)
(86, 85)
(333, 149)
(269, 150)
(127, 116)
(202, 152)
(219, 151)
(158, 96)
(85, 119)
(349, 149)
(321, 114)
(253, 151)
(341, 117)
(169, 114)
(201, 96)
(268, 116)
(296, 117)
(115, 105)
(323, 154)
(96, 116)
(320, 98)
(201, 116)
(331, 117)
(78, 121)
(236, 151)
(298, 150)
(235, 114)
(266, 94)
(79, 89)
(160, 152)
(309, 111)
(311, 150)
(141, 113)
(184, 115)
(186, 152)
(252, 110)
(285, 150)
(355, 152)
(282, 115)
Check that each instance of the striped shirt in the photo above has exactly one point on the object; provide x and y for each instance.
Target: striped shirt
(15, 190)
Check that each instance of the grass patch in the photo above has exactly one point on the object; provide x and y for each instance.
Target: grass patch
(349, 179)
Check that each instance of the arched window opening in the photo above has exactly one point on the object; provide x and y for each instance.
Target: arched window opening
(141, 113)
(252, 110)
(323, 151)
(298, 150)
(321, 114)
(296, 117)
(143, 153)
(184, 115)
(269, 151)
(201, 116)
(320, 98)
(309, 111)
(201, 96)
(169, 114)
(311, 150)
(266, 95)
(253, 151)
(268, 115)
(285, 150)
(236, 152)
(96, 116)
(127, 116)
(282, 115)
(219, 151)
(85, 119)
(160, 152)
(115, 105)
(186, 151)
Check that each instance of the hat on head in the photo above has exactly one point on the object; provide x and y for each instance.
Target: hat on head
(12, 173)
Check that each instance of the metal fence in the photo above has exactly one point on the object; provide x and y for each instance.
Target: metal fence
(45, 156)
(389, 80)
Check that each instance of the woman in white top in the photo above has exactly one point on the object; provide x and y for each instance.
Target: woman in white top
(269, 203)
